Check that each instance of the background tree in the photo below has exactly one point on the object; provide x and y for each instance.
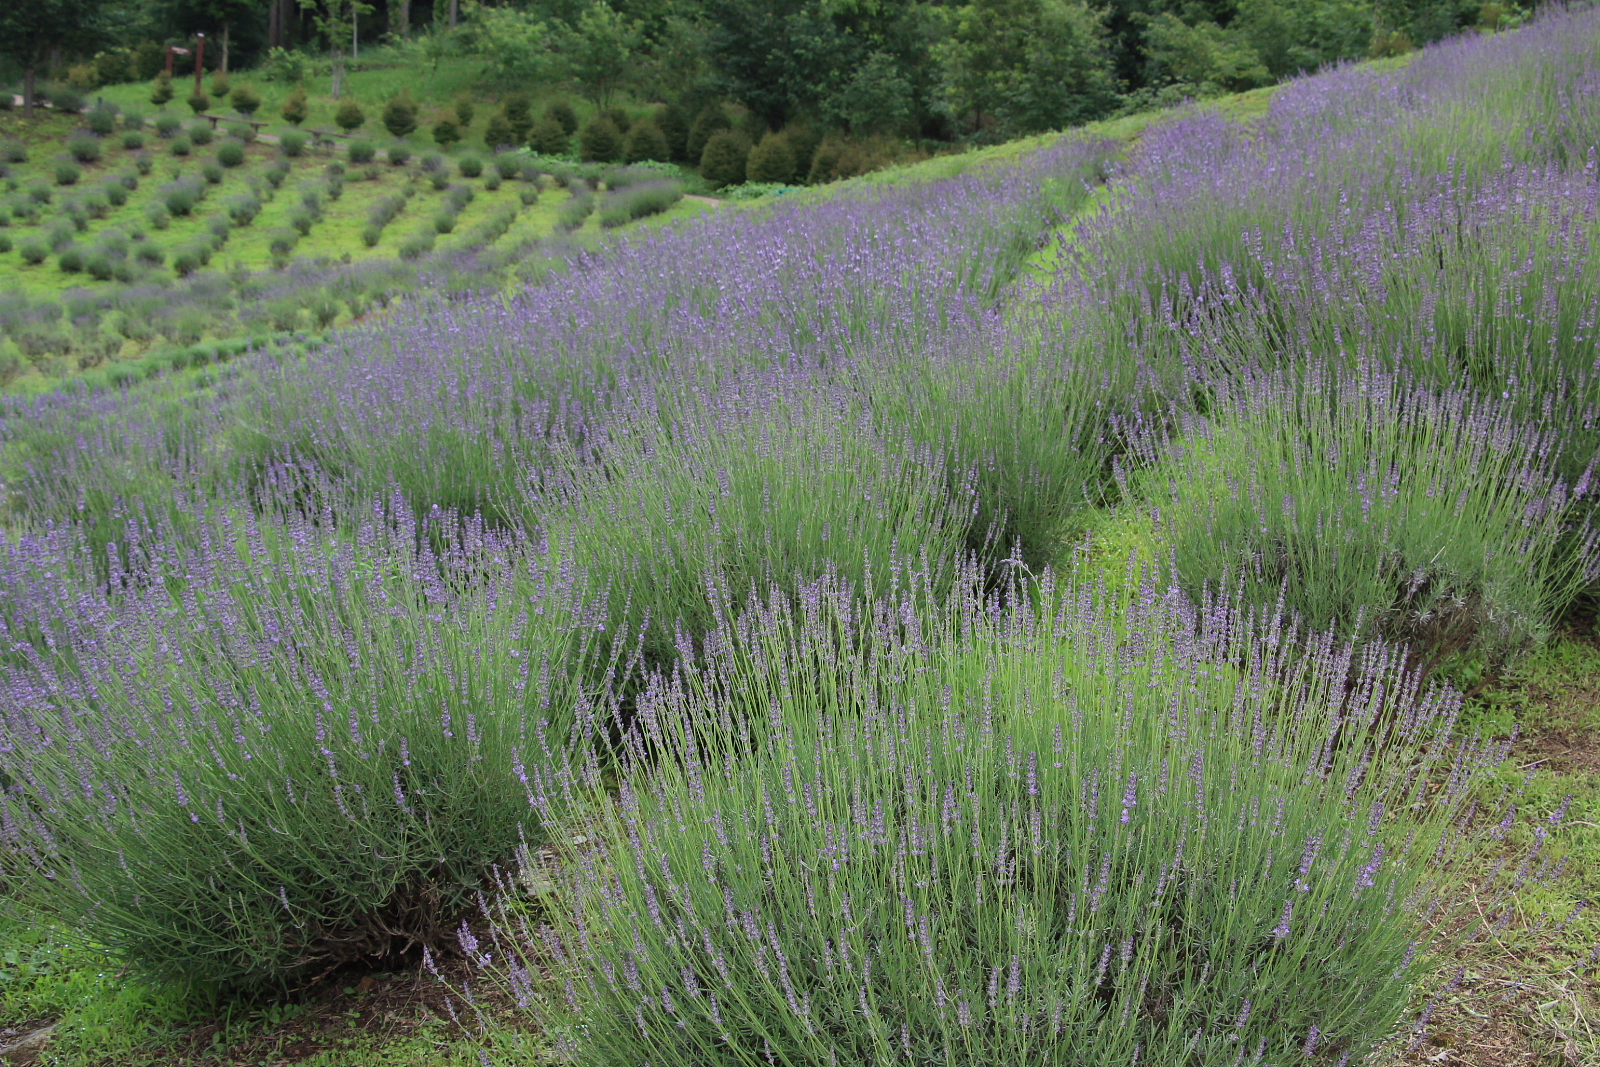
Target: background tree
(31, 30)
(1027, 65)
(335, 21)
(400, 115)
(597, 52)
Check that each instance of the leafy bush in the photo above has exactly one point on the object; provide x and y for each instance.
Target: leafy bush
(529, 195)
(198, 102)
(167, 125)
(302, 221)
(246, 101)
(180, 146)
(186, 260)
(98, 264)
(772, 160)
(470, 166)
(243, 132)
(280, 242)
(507, 165)
(645, 141)
(243, 209)
(1015, 822)
(517, 111)
(102, 120)
(201, 133)
(114, 193)
(371, 235)
(562, 114)
(417, 245)
(400, 115)
(132, 140)
(68, 172)
(549, 139)
(292, 143)
(446, 132)
(491, 180)
(723, 162)
(361, 151)
(349, 117)
(295, 108)
(85, 149)
(33, 252)
(444, 222)
(498, 133)
(161, 92)
(13, 152)
(398, 154)
(708, 122)
(230, 153)
(212, 173)
(599, 141)
(576, 210)
(70, 259)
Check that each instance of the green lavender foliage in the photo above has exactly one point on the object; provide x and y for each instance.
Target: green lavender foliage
(304, 753)
(1085, 834)
(1363, 500)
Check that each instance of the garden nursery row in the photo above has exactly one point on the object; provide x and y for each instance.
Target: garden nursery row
(1025, 617)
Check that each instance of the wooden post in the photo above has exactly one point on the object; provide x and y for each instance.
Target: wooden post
(199, 60)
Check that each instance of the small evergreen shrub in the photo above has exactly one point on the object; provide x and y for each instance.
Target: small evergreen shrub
(398, 154)
(115, 193)
(564, 115)
(507, 165)
(645, 141)
(400, 115)
(198, 102)
(167, 125)
(292, 143)
(470, 166)
(295, 108)
(67, 172)
(446, 132)
(491, 180)
(772, 160)
(349, 117)
(361, 151)
(230, 153)
(600, 142)
(33, 252)
(132, 140)
(517, 110)
(161, 91)
(70, 259)
(723, 161)
(465, 110)
(212, 174)
(708, 122)
(246, 101)
(201, 133)
(548, 138)
(498, 132)
(417, 245)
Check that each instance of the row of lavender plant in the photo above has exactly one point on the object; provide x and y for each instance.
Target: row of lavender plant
(1438, 217)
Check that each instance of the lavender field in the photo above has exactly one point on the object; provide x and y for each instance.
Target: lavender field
(1041, 616)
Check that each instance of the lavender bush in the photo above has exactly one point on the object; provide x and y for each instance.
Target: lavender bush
(1363, 498)
(1054, 836)
(288, 749)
